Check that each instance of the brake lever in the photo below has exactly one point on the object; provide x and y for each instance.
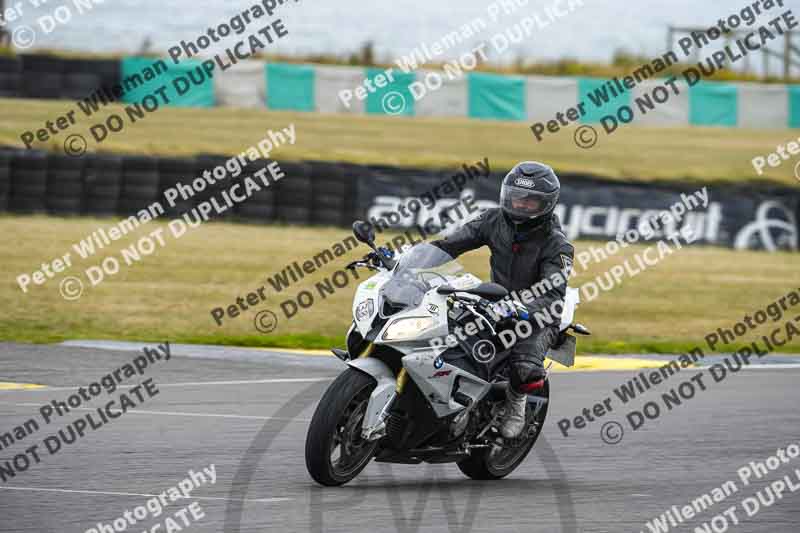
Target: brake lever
(480, 315)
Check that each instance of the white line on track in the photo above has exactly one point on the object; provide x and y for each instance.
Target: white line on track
(108, 493)
(192, 384)
(176, 413)
(777, 366)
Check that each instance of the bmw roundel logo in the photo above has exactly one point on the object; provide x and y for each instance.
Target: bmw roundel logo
(438, 363)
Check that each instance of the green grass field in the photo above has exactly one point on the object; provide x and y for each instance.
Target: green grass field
(706, 155)
(169, 294)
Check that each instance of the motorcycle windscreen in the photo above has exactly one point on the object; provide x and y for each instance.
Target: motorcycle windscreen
(418, 269)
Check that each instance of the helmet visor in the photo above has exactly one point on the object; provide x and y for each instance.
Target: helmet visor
(525, 204)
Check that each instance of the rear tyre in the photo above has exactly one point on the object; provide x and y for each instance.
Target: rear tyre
(335, 451)
(498, 462)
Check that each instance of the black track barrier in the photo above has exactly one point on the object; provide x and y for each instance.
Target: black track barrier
(28, 182)
(5, 178)
(140, 184)
(103, 184)
(82, 77)
(65, 185)
(42, 85)
(293, 194)
(172, 171)
(207, 163)
(333, 194)
(42, 76)
(10, 77)
(261, 207)
(757, 217)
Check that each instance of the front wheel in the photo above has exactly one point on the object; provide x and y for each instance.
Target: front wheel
(499, 461)
(335, 451)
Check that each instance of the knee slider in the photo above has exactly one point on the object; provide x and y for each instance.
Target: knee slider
(524, 373)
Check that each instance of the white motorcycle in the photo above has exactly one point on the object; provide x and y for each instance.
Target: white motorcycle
(406, 396)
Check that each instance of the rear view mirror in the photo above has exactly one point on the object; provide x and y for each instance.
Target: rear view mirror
(364, 232)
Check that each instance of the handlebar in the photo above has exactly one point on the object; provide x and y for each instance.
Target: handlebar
(373, 261)
(360, 263)
(497, 312)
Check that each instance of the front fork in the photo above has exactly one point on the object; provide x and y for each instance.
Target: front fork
(387, 388)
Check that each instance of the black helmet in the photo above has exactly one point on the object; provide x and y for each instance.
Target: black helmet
(529, 192)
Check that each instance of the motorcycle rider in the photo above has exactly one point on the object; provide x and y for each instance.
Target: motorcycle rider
(527, 246)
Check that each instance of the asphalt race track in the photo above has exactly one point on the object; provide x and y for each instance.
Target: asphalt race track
(248, 416)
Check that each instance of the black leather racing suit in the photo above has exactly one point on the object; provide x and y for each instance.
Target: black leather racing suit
(522, 255)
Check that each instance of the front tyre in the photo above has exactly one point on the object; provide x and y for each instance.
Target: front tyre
(335, 451)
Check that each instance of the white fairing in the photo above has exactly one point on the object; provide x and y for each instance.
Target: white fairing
(571, 301)
(437, 383)
(368, 289)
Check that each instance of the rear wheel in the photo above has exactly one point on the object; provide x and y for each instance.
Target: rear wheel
(499, 461)
(335, 451)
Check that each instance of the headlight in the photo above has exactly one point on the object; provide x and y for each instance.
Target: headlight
(365, 309)
(407, 328)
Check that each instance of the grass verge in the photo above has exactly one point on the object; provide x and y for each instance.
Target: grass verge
(688, 155)
(169, 294)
